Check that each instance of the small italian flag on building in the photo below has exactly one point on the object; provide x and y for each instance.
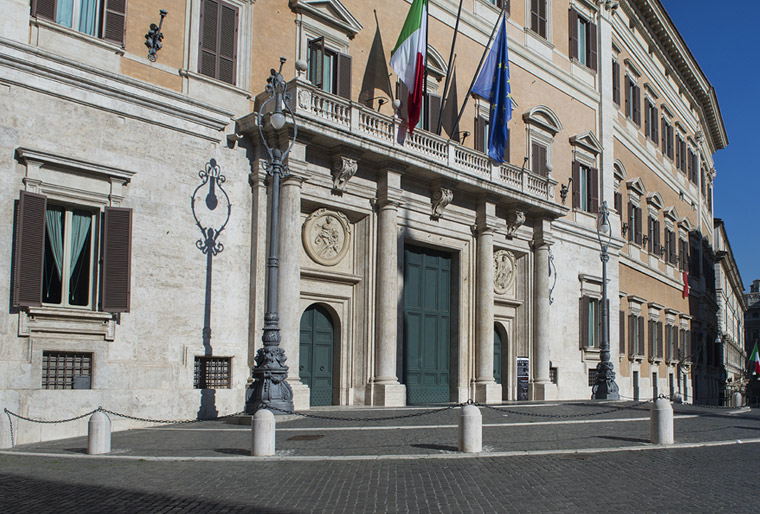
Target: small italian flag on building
(408, 60)
(754, 362)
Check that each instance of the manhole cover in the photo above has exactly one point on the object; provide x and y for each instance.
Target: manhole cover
(306, 437)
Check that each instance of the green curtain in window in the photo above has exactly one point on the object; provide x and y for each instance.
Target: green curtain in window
(88, 16)
(54, 225)
(80, 227)
(64, 12)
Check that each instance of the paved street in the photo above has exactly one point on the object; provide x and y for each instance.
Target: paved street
(542, 464)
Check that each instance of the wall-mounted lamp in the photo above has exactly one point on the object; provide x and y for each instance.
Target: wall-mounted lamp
(565, 189)
(463, 134)
(662, 251)
(381, 100)
(525, 162)
(154, 37)
(644, 239)
(624, 228)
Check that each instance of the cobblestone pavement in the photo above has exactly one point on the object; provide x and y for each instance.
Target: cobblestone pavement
(605, 476)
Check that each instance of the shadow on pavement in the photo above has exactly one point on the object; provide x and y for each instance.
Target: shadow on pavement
(436, 447)
(620, 438)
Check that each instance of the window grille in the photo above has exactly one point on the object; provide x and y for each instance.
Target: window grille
(553, 375)
(60, 370)
(592, 373)
(212, 373)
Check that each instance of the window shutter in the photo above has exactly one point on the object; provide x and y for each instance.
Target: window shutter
(616, 82)
(209, 23)
(663, 136)
(619, 203)
(593, 54)
(637, 105)
(542, 17)
(631, 334)
(670, 141)
(637, 223)
(593, 190)
(631, 222)
(622, 333)
(343, 82)
(114, 20)
(655, 136)
(30, 250)
(674, 254)
(628, 90)
(573, 31)
(433, 111)
(44, 9)
(542, 169)
(650, 231)
(117, 250)
(659, 339)
(480, 131)
(228, 36)
(640, 345)
(576, 170)
(647, 118)
(584, 301)
(650, 349)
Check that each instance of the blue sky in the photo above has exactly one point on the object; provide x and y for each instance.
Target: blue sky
(724, 43)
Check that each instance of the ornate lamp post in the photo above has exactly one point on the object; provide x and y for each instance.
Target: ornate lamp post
(605, 387)
(269, 388)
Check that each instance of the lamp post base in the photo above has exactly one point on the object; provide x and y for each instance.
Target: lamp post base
(269, 389)
(605, 387)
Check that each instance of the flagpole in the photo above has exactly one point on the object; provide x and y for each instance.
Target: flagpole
(475, 77)
(444, 98)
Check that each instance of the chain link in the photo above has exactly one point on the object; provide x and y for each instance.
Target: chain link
(385, 418)
(538, 415)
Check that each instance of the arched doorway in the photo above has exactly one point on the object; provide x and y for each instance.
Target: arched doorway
(317, 339)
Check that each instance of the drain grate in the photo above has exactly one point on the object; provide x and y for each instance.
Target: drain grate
(313, 437)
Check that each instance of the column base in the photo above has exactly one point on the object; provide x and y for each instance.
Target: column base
(540, 391)
(488, 393)
(301, 394)
(387, 395)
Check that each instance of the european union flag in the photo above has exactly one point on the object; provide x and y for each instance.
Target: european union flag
(493, 85)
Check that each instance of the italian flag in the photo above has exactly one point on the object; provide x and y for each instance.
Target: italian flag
(408, 59)
(754, 362)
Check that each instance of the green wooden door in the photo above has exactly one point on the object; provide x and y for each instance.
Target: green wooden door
(316, 354)
(427, 325)
(496, 356)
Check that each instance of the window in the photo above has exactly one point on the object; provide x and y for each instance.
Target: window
(553, 375)
(616, 82)
(501, 4)
(538, 162)
(683, 255)
(655, 340)
(212, 373)
(105, 19)
(670, 247)
(684, 345)
(621, 334)
(650, 121)
(538, 17)
(703, 181)
(330, 70)
(693, 166)
(634, 224)
(653, 241)
(592, 375)
(632, 100)
(585, 188)
(635, 336)
(65, 370)
(218, 41)
(56, 255)
(590, 322)
(583, 40)
(481, 134)
(681, 155)
(667, 139)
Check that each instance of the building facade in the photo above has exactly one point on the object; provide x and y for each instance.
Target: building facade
(752, 316)
(410, 273)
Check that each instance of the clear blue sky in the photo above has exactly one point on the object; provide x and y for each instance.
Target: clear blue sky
(724, 42)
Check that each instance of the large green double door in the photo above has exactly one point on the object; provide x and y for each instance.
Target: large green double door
(316, 354)
(427, 325)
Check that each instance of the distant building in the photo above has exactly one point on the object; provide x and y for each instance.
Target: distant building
(752, 317)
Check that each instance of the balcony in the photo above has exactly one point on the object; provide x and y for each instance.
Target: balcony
(328, 117)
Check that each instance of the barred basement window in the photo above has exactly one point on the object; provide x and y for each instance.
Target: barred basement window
(553, 375)
(592, 373)
(212, 373)
(66, 370)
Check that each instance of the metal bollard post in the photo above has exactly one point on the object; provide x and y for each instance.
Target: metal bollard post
(99, 434)
(262, 433)
(470, 430)
(737, 399)
(661, 422)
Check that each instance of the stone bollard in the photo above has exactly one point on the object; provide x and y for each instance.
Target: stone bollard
(661, 422)
(470, 430)
(262, 433)
(99, 434)
(737, 399)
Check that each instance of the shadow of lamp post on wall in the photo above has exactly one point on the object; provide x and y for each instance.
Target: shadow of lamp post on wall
(605, 387)
(269, 388)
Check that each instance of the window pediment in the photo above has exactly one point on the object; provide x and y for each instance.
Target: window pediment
(636, 186)
(436, 64)
(685, 224)
(543, 117)
(619, 170)
(332, 12)
(587, 141)
(671, 214)
(655, 200)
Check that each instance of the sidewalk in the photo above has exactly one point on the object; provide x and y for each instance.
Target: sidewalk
(424, 433)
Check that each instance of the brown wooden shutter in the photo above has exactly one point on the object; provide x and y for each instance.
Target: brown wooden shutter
(621, 341)
(647, 119)
(209, 25)
(618, 199)
(117, 250)
(343, 78)
(573, 31)
(44, 9)
(655, 114)
(659, 339)
(616, 82)
(534, 15)
(628, 99)
(631, 222)
(30, 250)
(640, 345)
(650, 349)
(631, 335)
(228, 36)
(584, 302)
(664, 136)
(593, 188)
(637, 105)
(576, 174)
(542, 17)
(637, 223)
(115, 21)
(433, 111)
(593, 53)
(480, 132)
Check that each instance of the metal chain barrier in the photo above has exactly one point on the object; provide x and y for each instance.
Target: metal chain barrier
(583, 415)
(385, 418)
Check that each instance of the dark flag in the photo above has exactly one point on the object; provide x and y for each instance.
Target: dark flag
(376, 75)
(493, 85)
(451, 108)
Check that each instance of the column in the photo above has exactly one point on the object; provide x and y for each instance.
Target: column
(486, 389)
(386, 390)
(289, 285)
(541, 318)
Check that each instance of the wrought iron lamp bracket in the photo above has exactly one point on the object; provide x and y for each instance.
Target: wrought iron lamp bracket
(154, 37)
(212, 176)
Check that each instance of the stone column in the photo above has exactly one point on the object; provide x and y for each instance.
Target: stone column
(541, 319)
(289, 286)
(386, 388)
(486, 388)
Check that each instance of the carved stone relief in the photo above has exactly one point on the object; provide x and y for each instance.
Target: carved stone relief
(515, 220)
(343, 169)
(326, 236)
(442, 197)
(503, 271)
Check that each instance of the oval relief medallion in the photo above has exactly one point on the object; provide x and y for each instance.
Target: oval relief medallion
(503, 271)
(326, 236)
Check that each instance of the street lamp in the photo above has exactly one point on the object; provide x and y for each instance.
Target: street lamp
(269, 387)
(605, 387)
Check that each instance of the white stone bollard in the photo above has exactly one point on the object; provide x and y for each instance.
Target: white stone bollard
(470, 430)
(737, 399)
(262, 433)
(661, 422)
(99, 434)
